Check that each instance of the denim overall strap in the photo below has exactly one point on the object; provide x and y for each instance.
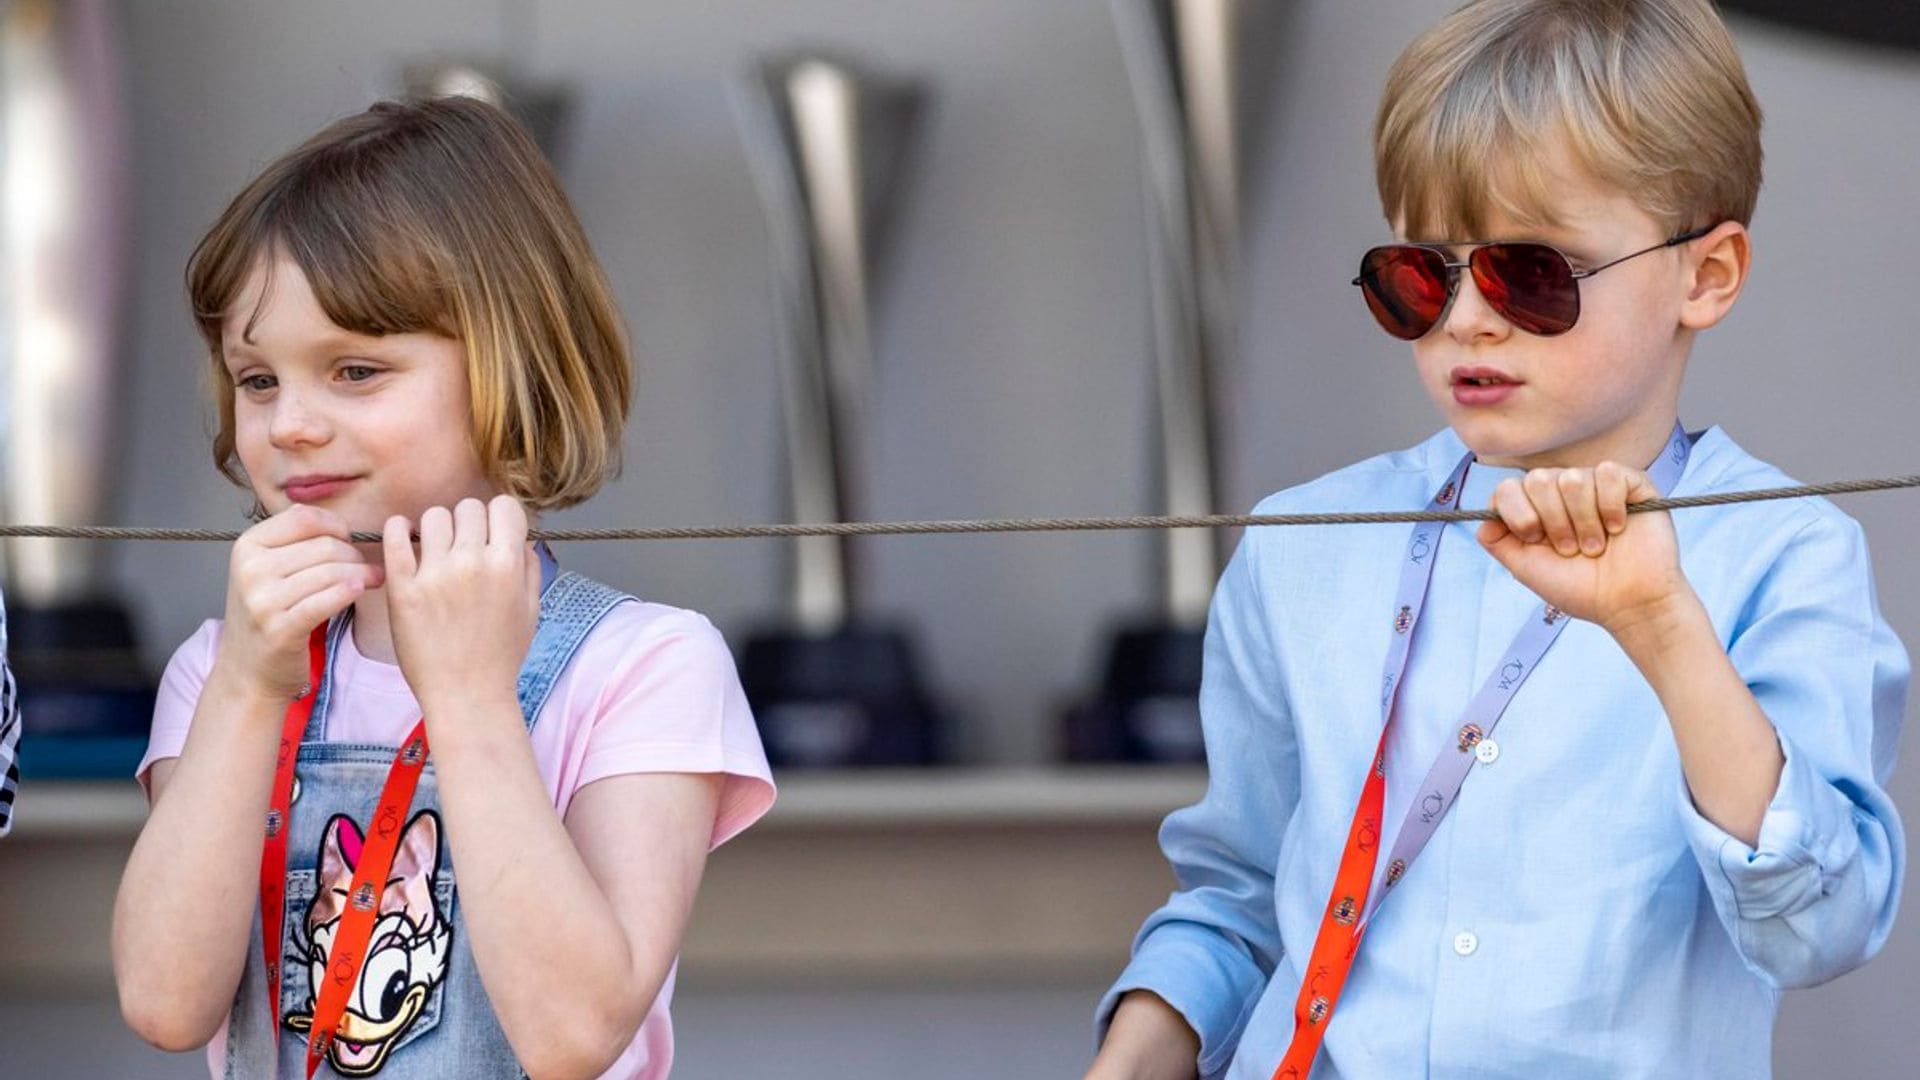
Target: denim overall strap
(569, 610)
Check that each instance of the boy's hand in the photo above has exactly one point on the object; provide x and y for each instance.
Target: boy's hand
(1566, 535)
(287, 575)
(1148, 1040)
(463, 609)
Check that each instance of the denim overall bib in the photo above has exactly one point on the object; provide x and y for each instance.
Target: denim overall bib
(418, 1009)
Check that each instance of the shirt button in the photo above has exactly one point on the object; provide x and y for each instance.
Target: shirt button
(1487, 752)
(1466, 943)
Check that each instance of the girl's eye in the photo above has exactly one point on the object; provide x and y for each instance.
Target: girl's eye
(258, 384)
(359, 372)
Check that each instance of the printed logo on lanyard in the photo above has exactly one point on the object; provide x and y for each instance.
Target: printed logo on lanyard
(1353, 902)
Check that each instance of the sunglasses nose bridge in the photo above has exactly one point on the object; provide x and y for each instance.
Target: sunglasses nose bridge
(1476, 267)
(1451, 270)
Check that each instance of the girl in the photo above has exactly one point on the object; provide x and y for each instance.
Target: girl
(409, 334)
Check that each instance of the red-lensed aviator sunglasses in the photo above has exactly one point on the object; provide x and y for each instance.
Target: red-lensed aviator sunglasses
(1533, 286)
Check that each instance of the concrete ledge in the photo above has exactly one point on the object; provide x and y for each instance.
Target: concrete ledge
(1028, 874)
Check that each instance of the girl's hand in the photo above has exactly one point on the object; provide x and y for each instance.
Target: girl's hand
(463, 609)
(287, 575)
(1566, 534)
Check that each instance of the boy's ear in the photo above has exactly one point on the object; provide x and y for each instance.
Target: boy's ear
(1717, 270)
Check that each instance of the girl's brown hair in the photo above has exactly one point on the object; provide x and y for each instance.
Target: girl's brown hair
(443, 217)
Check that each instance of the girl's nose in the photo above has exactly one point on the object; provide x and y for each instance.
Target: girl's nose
(296, 421)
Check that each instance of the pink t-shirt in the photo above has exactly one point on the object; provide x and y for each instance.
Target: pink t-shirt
(651, 689)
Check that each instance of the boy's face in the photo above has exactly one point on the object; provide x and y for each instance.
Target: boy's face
(364, 426)
(1608, 388)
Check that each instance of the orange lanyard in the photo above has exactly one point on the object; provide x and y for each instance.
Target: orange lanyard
(1340, 928)
(349, 948)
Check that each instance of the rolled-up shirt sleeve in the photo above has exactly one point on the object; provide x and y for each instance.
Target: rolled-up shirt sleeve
(1816, 896)
(1209, 951)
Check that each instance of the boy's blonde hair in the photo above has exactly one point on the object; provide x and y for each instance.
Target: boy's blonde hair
(1647, 96)
(442, 217)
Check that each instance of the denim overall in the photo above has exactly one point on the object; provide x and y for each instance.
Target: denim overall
(418, 1009)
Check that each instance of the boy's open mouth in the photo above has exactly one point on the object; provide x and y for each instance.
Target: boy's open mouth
(1481, 376)
(1482, 387)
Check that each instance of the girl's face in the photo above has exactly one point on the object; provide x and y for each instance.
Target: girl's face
(366, 427)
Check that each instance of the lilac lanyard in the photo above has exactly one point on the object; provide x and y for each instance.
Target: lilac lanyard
(1436, 794)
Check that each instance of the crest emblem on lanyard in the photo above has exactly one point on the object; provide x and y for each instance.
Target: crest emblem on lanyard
(1394, 869)
(273, 823)
(1446, 493)
(1470, 737)
(413, 754)
(1317, 1011)
(1552, 615)
(363, 897)
(1345, 911)
(1403, 621)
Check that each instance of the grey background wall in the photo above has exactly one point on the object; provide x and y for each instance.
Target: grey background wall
(1013, 333)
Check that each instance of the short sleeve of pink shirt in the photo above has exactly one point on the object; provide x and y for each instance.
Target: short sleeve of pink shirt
(652, 689)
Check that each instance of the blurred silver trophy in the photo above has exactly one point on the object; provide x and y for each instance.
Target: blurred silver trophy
(827, 140)
(65, 237)
(1187, 61)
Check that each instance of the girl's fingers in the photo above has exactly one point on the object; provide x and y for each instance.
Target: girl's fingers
(1542, 487)
(436, 532)
(313, 551)
(1577, 494)
(316, 608)
(1518, 512)
(396, 545)
(507, 545)
(273, 609)
(506, 523)
(469, 525)
(260, 574)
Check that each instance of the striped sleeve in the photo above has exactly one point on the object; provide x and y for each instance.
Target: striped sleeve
(9, 733)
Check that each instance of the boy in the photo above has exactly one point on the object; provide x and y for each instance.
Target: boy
(1682, 811)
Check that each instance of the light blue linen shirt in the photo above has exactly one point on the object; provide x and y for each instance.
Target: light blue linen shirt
(1574, 915)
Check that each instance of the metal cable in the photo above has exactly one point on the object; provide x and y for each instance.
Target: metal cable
(999, 525)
